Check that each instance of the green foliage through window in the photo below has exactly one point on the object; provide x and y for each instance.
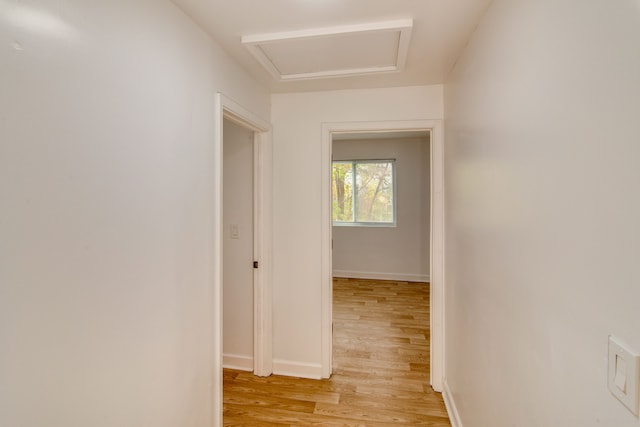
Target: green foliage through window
(363, 192)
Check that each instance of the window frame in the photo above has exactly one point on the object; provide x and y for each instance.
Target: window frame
(394, 199)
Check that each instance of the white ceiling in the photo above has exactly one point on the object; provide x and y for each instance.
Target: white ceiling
(440, 31)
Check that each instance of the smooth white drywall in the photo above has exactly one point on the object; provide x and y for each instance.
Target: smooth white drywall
(237, 253)
(297, 131)
(106, 190)
(543, 209)
(400, 252)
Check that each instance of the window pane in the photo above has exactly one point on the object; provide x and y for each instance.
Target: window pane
(342, 192)
(374, 192)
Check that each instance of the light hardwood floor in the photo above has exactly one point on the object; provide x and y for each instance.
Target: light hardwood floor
(381, 368)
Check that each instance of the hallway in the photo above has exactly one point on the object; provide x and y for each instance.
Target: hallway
(381, 377)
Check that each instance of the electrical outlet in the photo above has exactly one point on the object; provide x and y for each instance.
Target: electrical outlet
(624, 368)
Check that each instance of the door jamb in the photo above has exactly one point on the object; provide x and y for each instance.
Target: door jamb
(228, 109)
(437, 337)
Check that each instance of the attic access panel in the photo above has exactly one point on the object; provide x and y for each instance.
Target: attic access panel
(333, 52)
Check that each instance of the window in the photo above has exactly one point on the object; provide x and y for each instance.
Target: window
(364, 192)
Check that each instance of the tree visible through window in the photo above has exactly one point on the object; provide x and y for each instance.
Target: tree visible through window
(363, 192)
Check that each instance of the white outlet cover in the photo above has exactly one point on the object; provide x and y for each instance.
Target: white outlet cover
(623, 376)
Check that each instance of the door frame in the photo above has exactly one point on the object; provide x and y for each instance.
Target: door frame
(228, 109)
(436, 261)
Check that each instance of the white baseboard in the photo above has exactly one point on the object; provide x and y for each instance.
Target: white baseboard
(234, 361)
(450, 404)
(381, 276)
(296, 369)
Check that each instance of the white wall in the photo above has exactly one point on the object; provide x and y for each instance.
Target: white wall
(237, 251)
(394, 253)
(297, 130)
(106, 189)
(542, 212)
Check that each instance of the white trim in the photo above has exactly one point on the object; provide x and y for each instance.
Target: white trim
(327, 31)
(404, 27)
(437, 235)
(401, 277)
(216, 239)
(241, 116)
(450, 404)
(436, 270)
(231, 110)
(341, 73)
(235, 361)
(262, 276)
(326, 260)
(297, 369)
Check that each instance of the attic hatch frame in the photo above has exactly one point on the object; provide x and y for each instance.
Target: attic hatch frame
(402, 27)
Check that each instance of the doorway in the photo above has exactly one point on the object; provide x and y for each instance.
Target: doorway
(237, 247)
(436, 216)
(233, 114)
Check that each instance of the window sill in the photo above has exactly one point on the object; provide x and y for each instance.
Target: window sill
(365, 224)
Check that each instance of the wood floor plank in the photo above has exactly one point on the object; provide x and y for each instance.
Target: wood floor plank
(381, 368)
